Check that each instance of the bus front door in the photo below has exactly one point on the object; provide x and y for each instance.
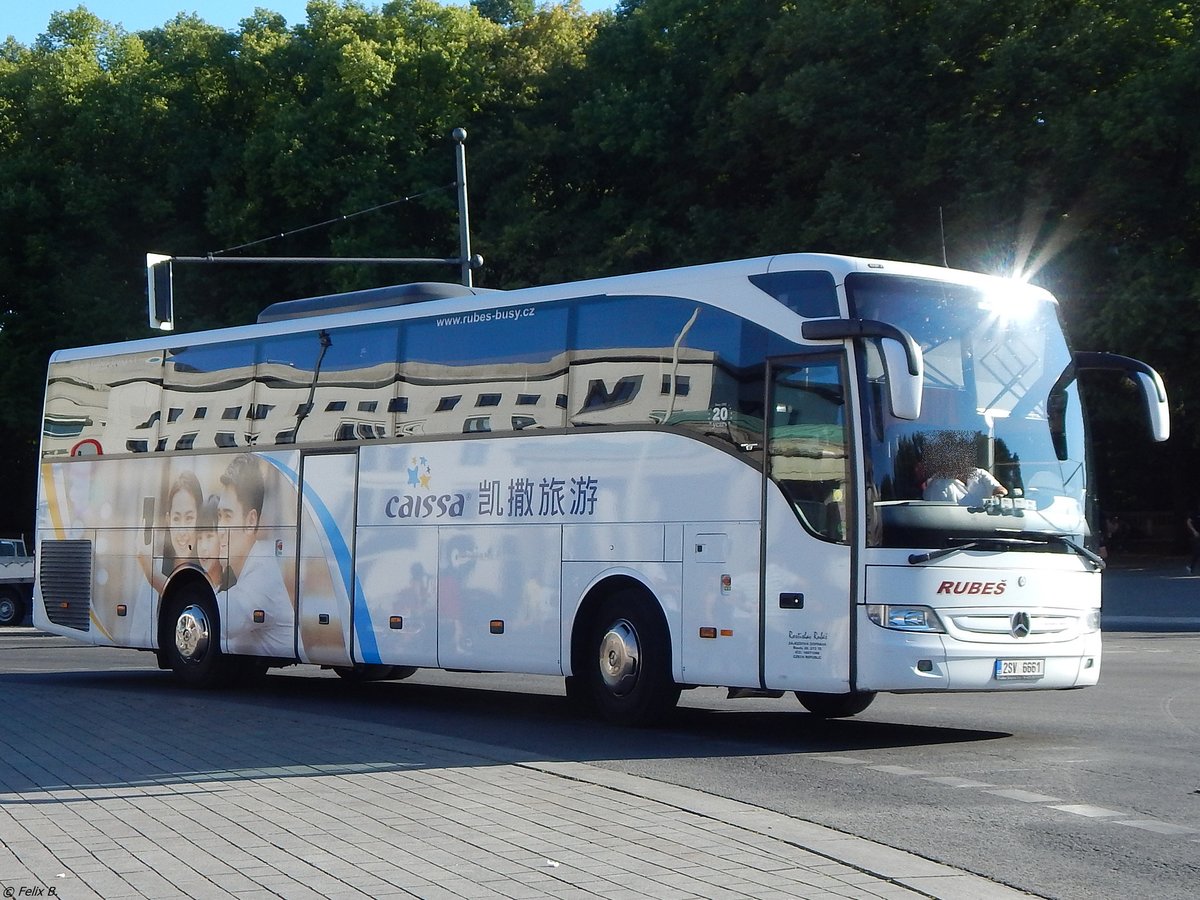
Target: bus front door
(808, 527)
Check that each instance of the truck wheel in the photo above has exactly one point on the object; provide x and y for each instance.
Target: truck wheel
(12, 607)
(628, 672)
(835, 706)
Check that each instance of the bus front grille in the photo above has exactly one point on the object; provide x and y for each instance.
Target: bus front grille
(66, 578)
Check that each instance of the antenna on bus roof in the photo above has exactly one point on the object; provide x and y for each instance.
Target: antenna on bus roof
(159, 277)
(942, 226)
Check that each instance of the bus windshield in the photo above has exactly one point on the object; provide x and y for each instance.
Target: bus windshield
(998, 450)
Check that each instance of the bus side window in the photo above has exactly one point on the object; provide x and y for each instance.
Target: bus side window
(103, 405)
(223, 375)
(807, 446)
(661, 360)
(484, 372)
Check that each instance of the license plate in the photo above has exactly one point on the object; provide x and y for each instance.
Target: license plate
(1020, 668)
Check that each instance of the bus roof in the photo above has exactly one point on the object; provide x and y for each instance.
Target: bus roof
(711, 283)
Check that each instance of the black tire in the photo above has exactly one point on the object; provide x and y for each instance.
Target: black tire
(251, 671)
(362, 672)
(627, 661)
(835, 706)
(579, 694)
(12, 607)
(192, 636)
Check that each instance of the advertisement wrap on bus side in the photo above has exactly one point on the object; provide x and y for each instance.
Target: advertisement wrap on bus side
(474, 527)
(229, 517)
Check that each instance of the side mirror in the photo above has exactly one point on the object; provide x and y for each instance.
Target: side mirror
(902, 357)
(1154, 394)
(904, 386)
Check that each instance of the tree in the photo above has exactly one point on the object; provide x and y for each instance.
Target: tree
(1051, 139)
(505, 12)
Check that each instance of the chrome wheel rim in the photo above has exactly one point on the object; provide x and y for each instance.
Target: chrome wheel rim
(192, 634)
(620, 657)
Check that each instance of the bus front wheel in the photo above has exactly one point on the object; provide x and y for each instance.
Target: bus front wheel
(835, 706)
(628, 672)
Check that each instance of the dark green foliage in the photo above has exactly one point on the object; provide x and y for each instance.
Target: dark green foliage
(505, 12)
(1056, 138)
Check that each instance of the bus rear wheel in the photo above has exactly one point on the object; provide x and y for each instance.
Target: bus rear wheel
(628, 668)
(835, 706)
(193, 646)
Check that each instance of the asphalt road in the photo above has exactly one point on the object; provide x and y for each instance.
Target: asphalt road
(1079, 794)
(1151, 594)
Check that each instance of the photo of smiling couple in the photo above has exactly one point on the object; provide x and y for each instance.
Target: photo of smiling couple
(233, 533)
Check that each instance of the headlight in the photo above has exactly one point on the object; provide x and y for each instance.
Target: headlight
(1091, 621)
(905, 618)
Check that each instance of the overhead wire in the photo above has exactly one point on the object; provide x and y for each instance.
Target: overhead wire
(333, 221)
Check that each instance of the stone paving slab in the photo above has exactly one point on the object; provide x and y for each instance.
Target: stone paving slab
(110, 794)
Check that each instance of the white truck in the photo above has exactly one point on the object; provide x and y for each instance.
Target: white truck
(16, 580)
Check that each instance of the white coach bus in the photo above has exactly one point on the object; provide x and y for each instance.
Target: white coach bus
(803, 473)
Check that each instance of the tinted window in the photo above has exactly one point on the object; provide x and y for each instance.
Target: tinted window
(667, 360)
(495, 358)
(219, 375)
(808, 443)
(642, 360)
(811, 294)
(338, 369)
(110, 402)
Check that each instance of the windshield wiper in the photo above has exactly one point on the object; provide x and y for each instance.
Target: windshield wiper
(1006, 543)
(1094, 558)
(918, 558)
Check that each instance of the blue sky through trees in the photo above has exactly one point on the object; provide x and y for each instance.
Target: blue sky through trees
(27, 19)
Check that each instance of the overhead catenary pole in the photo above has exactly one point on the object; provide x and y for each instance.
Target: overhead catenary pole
(464, 226)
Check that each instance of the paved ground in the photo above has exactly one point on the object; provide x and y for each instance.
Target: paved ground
(124, 786)
(1151, 593)
(109, 791)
